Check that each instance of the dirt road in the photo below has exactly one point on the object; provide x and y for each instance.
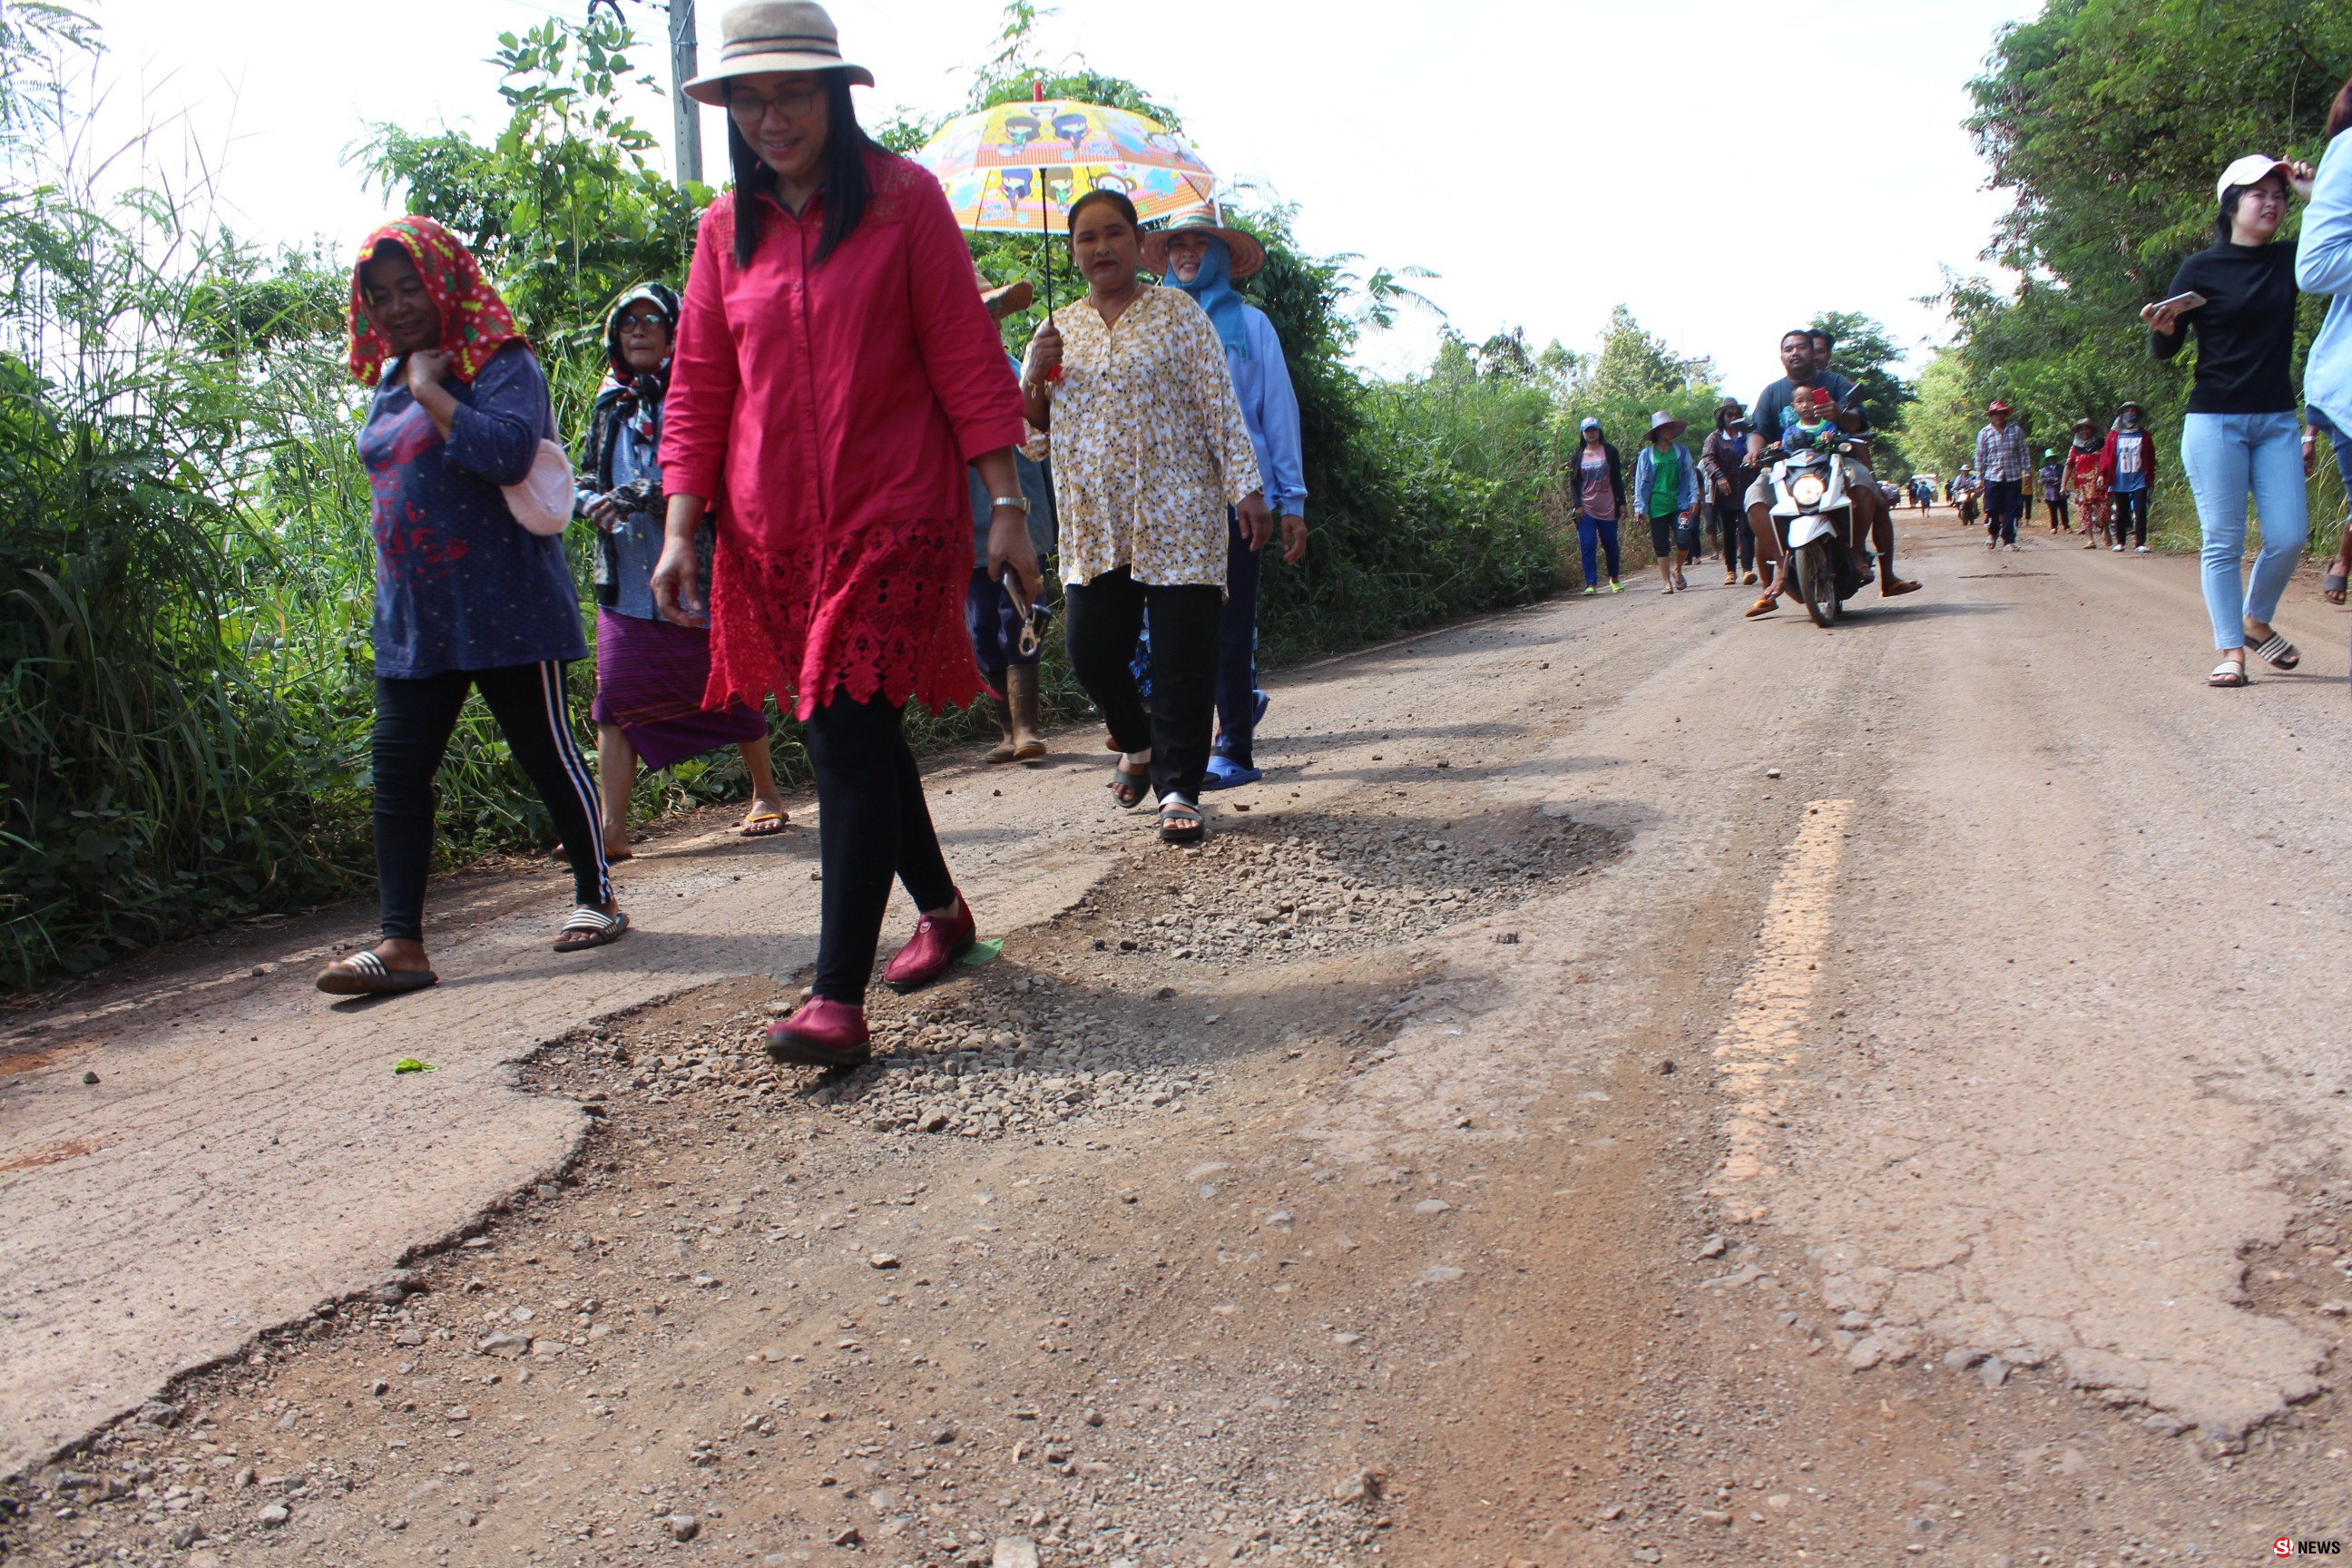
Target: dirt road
(1635, 1087)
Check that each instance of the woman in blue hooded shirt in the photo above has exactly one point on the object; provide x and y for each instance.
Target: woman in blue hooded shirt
(1204, 259)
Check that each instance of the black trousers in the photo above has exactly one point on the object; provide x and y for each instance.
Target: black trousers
(2129, 507)
(872, 825)
(1739, 534)
(413, 722)
(1106, 616)
(2058, 512)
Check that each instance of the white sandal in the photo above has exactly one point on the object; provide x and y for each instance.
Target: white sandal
(2229, 672)
(595, 926)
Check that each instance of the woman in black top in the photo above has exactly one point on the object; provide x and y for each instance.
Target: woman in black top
(2241, 435)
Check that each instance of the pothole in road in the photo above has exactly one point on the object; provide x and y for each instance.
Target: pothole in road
(1101, 1015)
(1326, 887)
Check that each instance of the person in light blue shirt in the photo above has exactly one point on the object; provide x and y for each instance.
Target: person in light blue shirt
(1204, 259)
(2323, 265)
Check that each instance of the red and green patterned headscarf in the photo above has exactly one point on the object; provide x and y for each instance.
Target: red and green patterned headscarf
(474, 322)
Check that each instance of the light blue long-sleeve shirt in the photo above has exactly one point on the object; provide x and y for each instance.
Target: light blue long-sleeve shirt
(2323, 265)
(1270, 414)
(1646, 468)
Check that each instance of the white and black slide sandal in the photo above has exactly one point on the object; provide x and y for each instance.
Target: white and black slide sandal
(2281, 653)
(366, 974)
(590, 928)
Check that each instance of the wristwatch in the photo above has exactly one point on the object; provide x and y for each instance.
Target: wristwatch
(1019, 503)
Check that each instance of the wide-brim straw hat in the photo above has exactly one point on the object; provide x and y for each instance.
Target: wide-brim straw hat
(1243, 251)
(1661, 420)
(763, 35)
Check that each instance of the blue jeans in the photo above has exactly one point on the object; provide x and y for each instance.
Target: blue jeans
(1591, 531)
(2228, 457)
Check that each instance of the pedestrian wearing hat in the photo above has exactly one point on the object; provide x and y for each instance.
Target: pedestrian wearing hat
(2003, 461)
(467, 598)
(2088, 482)
(1152, 460)
(836, 372)
(2050, 479)
(1204, 260)
(2127, 464)
(2241, 436)
(650, 673)
(1599, 502)
(1665, 490)
(1723, 468)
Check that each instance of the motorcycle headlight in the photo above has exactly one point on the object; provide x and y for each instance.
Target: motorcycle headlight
(1809, 488)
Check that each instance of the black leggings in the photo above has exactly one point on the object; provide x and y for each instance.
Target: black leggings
(413, 721)
(872, 825)
(2058, 513)
(1106, 616)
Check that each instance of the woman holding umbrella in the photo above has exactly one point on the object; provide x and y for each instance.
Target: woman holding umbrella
(1150, 449)
(835, 373)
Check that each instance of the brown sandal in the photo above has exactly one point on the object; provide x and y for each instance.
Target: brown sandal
(1763, 606)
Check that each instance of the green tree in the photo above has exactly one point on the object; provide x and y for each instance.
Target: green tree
(2106, 122)
(562, 207)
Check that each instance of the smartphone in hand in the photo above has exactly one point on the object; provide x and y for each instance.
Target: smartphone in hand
(2180, 304)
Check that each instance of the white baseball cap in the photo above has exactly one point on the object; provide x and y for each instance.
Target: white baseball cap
(2250, 170)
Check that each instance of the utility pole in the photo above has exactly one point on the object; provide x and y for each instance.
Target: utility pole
(686, 114)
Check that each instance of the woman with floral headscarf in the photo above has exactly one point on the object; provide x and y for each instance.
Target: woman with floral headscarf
(465, 598)
(650, 673)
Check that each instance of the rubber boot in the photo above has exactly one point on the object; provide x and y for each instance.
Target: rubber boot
(1005, 750)
(1021, 682)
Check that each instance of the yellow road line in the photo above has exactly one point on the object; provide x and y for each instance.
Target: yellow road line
(1757, 1049)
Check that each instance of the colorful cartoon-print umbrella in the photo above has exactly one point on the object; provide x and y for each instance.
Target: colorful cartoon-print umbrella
(1018, 167)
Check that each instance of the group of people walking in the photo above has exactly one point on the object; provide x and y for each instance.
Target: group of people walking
(778, 476)
(780, 469)
(2245, 437)
(1723, 493)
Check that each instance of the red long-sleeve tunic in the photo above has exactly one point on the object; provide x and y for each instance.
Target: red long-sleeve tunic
(830, 411)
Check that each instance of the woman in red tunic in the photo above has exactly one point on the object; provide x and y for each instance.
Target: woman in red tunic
(835, 373)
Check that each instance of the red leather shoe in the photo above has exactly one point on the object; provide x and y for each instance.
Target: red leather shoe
(822, 1033)
(938, 944)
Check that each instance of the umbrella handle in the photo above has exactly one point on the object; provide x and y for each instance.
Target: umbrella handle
(1045, 241)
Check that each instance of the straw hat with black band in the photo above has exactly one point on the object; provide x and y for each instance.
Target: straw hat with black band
(761, 37)
(1243, 250)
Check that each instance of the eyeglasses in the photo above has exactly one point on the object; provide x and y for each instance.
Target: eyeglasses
(634, 322)
(751, 109)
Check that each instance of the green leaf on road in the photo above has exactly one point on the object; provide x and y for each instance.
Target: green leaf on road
(410, 1064)
(981, 952)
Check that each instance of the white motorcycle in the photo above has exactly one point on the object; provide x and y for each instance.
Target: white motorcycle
(1814, 514)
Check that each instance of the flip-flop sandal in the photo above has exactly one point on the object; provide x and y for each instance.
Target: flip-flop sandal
(593, 928)
(1225, 773)
(2281, 653)
(366, 974)
(2229, 672)
(1763, 606)
(2334, 583)
(1129, 788)
(1181, 824)
(760, 823)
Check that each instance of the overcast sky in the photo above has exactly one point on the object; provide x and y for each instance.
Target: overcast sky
(1550, 158)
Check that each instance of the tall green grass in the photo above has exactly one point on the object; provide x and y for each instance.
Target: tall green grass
(186, 563)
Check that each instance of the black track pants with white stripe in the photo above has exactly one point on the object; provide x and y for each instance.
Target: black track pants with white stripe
(412, 723)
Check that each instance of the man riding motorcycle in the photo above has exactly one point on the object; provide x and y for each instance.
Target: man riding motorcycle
(1802, 368)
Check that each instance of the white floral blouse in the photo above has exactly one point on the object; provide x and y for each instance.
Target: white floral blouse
(1149, 445)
